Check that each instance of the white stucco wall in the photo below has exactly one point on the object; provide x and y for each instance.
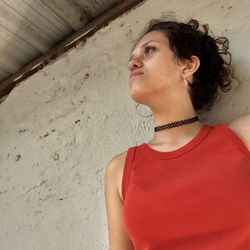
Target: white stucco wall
(60, 127)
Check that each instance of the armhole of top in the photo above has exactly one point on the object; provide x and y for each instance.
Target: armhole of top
(127, 170)
(234, 137)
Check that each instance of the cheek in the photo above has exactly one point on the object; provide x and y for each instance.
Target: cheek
(165, 73)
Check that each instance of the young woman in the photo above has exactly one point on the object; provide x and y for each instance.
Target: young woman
(189, 187)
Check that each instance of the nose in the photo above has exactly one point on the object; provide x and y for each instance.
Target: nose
(133, 64)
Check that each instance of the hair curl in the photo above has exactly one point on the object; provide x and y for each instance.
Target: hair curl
(214, 73)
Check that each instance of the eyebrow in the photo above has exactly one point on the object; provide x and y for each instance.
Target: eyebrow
(143, 45)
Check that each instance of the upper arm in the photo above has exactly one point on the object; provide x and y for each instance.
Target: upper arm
(241, 126)
(118, 237)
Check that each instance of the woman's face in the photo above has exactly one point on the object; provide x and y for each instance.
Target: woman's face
(160, 76)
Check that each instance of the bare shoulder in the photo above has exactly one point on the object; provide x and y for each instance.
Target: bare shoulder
(241, 126)
(117, 232)
(115, 170)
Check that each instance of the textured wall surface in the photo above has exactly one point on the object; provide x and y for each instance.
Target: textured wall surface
(60, 127)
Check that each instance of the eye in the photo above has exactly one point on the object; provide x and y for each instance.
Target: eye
(148, 48)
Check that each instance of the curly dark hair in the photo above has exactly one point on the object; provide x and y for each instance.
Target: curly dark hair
(214, 73)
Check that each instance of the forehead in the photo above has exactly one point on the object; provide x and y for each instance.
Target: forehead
(154, 36)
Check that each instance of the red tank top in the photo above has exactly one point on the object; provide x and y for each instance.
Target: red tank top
(194, 198)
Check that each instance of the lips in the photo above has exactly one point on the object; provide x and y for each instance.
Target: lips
(136, 72)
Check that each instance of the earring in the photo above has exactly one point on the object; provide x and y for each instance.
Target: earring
(136, 106)
(185, 82)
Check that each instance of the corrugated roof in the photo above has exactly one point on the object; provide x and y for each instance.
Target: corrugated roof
(29, 28)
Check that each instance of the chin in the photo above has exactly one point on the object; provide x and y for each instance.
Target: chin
(138, 98)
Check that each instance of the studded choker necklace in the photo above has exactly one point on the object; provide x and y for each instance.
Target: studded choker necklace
(176, 124)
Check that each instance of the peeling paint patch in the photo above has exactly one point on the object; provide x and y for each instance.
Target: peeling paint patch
(105, 29)
(83, 99)
(18, 157)
(86, 76)
(56, 156)
(22, 131)
(129, 32)
(46, 134)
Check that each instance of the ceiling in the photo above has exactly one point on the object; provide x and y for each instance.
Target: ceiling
(31, 28)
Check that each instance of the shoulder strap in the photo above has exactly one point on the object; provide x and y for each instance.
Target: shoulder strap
(127, 169)
(230, 134)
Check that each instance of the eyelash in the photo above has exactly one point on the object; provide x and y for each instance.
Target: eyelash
(149, 47)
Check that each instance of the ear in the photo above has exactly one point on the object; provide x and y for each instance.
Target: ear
(189, 67)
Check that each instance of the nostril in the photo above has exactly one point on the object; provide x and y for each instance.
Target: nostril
(134, 66)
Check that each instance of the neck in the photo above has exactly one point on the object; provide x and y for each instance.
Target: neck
(174, 107)
(175, 135)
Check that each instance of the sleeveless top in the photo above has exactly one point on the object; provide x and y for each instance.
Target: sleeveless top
(194, 198)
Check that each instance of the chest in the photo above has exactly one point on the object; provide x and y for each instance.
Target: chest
(201, 194)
